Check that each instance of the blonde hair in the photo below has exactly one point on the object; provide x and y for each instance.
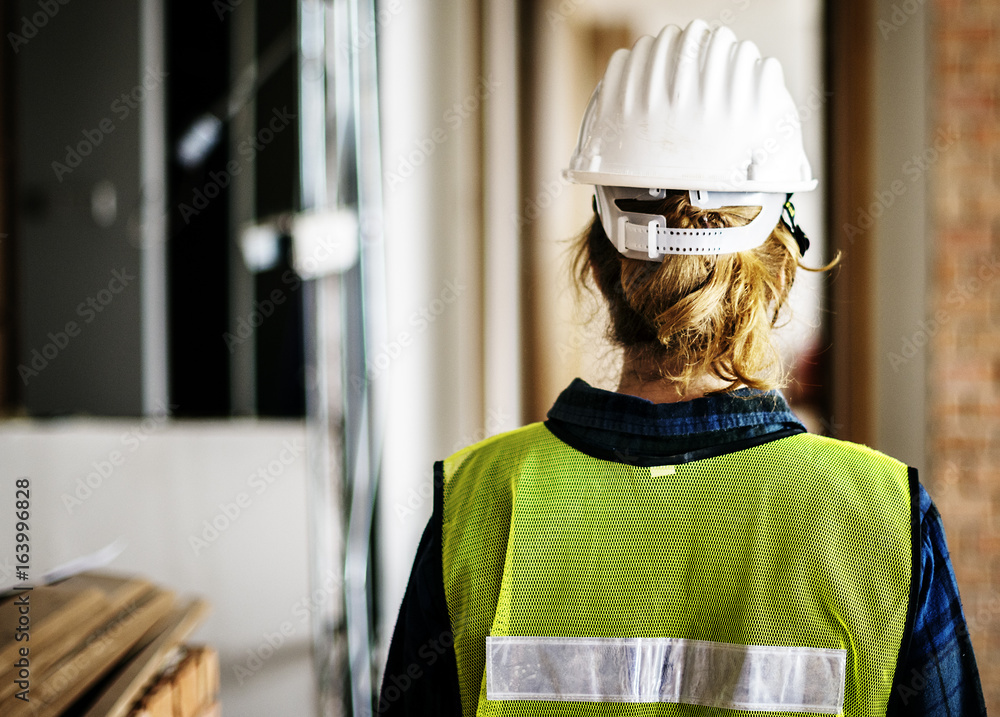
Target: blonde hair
(691, 316)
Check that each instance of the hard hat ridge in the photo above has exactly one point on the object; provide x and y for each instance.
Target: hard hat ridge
(692, 109)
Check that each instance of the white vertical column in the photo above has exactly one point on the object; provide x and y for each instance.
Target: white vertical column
(153, 173)
(502, 364)
(431, 365)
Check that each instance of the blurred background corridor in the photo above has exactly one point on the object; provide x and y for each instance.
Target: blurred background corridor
(263, 263)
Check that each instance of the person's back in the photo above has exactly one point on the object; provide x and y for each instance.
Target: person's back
(682, 544)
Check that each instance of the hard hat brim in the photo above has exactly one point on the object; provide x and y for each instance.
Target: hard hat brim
(607, 179)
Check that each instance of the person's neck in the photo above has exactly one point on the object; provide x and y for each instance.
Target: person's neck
(648, 385)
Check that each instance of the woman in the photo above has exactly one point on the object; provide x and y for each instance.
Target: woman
(682, 543)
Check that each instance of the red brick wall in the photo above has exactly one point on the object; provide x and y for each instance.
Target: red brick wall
(964, 398)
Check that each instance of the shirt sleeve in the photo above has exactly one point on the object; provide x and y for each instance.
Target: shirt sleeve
(421, 673)
(939, 674)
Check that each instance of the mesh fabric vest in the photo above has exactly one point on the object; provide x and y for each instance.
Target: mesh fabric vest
(803, 541)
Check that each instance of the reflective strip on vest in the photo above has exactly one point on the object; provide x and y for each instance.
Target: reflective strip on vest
(699, 672)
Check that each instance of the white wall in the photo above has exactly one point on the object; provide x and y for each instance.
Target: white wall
(172, 477)
(432, 103)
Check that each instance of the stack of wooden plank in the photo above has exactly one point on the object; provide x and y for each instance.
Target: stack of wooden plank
(189, 687)
(97, 643)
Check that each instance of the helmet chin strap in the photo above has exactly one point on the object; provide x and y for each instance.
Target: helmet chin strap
(646, 236)
(788, 217)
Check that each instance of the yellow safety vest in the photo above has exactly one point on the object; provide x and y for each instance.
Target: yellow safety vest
(774, 579)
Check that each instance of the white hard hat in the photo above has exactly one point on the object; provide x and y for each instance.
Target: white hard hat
(691, 110)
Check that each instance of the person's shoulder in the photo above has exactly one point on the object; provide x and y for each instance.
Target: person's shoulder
(515, 440)
(479, 474)
(819, 447)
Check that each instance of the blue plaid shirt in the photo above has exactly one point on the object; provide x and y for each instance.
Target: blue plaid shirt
(937, 676)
